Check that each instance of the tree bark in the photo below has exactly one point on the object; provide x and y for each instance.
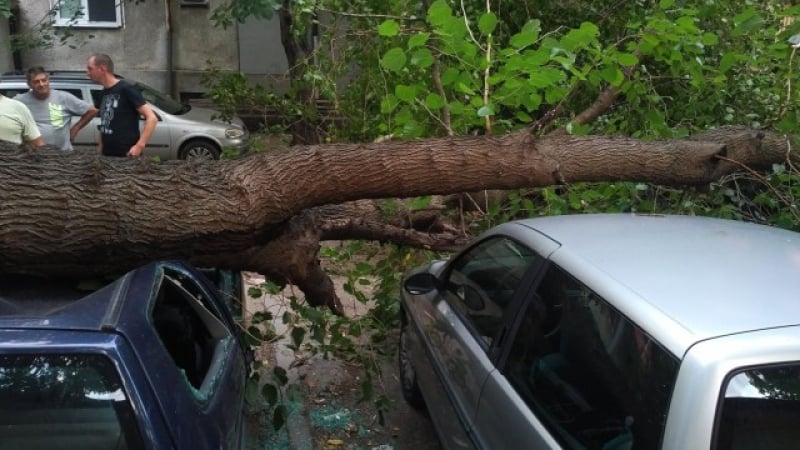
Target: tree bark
(82, 214)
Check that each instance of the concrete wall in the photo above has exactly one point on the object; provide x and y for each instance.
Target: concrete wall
(171, 60)
(138, 48)
(197, 42)
(6, 61)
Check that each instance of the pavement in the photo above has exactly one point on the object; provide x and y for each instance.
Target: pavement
(322, 396)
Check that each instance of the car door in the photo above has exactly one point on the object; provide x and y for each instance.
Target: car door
(195, 358)
(159, 144)
(577, 374)
(86, 139)
(466, 324)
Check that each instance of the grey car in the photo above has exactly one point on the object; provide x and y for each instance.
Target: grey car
(182, 131)
(611, 332)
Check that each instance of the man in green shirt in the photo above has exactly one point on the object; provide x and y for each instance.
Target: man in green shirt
(16, 123)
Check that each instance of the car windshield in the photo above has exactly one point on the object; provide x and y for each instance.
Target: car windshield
(64, 401)
(761, 409)
(162, 101)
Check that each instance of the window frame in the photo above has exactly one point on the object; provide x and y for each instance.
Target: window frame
(650, 352)
(508, 312)
(725, 418)
(212, 326)
(85, 21)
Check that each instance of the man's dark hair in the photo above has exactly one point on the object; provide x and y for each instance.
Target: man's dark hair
(35, 70)
(101, 59)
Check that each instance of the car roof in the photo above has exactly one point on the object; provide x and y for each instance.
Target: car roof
(682, 278)
(37, 302)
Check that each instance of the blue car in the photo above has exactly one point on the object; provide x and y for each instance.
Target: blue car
(150, 361)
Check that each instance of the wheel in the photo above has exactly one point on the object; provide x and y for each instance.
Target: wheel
(408, 376)
(199, 149)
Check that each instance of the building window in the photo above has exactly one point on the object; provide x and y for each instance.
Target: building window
(87, 13)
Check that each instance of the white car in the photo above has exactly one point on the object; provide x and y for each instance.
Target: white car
(182, 131)
(609, 332)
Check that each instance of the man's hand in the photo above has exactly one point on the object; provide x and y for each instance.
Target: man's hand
(136, 150)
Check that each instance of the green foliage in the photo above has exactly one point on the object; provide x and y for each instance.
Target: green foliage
(237, 11)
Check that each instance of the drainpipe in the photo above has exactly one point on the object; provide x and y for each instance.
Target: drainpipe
(173, 85)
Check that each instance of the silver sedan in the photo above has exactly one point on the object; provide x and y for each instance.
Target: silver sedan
(610, 332)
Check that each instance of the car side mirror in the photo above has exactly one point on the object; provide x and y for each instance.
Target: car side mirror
(421, 283)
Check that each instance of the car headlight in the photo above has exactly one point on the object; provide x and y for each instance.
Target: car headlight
(234, 133)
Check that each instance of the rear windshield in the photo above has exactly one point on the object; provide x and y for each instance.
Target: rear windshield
(761, 409)
(64, 401)
(162, 101)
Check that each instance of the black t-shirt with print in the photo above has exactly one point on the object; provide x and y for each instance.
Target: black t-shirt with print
(119, 119)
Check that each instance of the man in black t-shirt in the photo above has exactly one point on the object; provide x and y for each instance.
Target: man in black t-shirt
(120, 108)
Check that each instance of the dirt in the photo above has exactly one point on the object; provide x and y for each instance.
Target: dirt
(323, 396)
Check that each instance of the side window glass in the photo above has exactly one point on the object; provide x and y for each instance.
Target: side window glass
(760, 409)
(189, 326)
(10, 93)
(483, 281)
(593, 378)
(97, 95)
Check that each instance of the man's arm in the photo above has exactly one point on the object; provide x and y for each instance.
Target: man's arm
(37, 142)
(85, 119)
(150, 121)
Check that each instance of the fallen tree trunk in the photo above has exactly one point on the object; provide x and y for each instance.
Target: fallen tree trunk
(82, 215)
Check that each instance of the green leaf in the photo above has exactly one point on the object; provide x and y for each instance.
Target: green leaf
(528, 35)
(280, 374)
(389, 28)
(485, 110)
(464, 88)
(298, 334)
(394, 60)
(546, 76)
(487, 23)
(279, 417)
(666, 4)
(434, 101)
(422, 58)
(439, 13)
(405, 93)
(746, 22)
(727, 61)
(581, 37)
(418, 40)
(270, 393)
(627, 59)
(389, 103)
(450, 76)
(613, 75)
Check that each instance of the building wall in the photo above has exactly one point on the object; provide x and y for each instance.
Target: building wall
(6, 61)
(164, 44)
(198, 44)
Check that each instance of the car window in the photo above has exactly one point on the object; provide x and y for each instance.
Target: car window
(77, 92)
(160, 100)
(483, 280)
(11, 92)
(64, 401)
(97, 96)
(593, 378)
(191, 328)
(760, 409)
